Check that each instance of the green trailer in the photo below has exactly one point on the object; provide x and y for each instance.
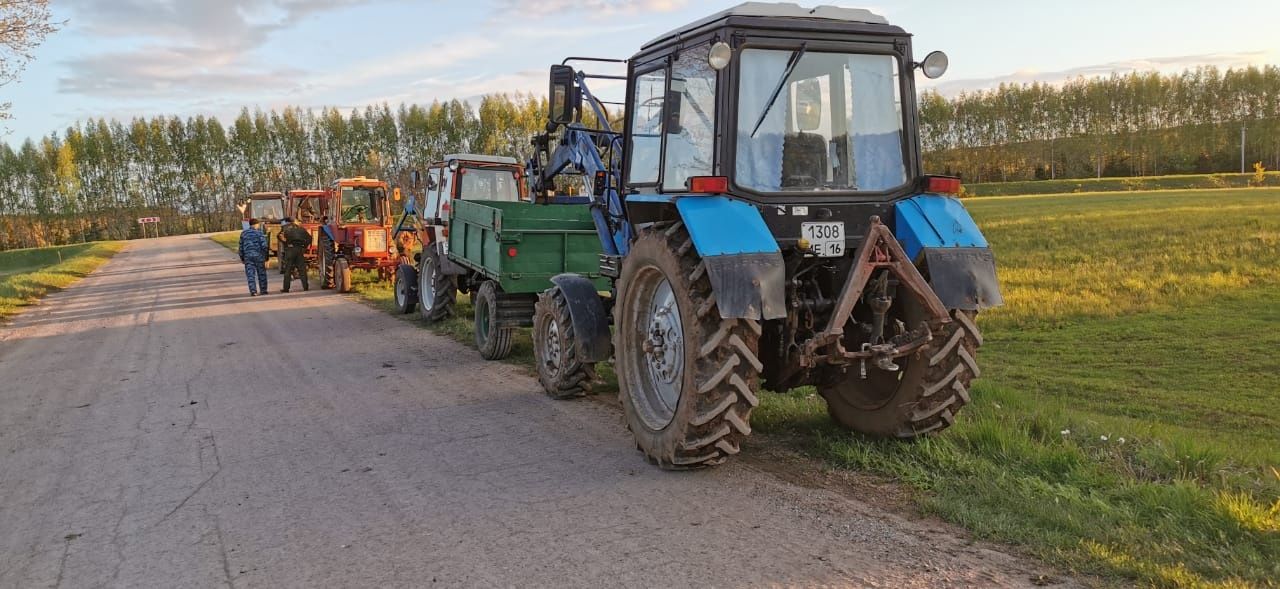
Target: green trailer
(509, 252)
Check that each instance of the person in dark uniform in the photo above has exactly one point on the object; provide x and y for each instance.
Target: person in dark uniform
(295, 240)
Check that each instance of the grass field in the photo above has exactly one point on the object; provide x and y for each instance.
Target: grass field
(1127, 423)
(28, 274)
(1135, 183)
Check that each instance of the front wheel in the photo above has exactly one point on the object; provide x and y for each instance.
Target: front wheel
(562, 374)
(325, 262)
(493, 341)
(437, 292)
(406, 298)
(342, 275)
(686, 376)
(923, 397)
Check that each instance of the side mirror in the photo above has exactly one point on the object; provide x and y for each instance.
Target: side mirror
(395, 193)
(672, 106)
(564, 95)
(808, 105)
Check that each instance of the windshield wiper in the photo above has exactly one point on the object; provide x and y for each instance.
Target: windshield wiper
(782, 81)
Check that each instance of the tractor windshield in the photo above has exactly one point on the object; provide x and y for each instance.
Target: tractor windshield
(362, 205)
(308, 209)
(812, 121)
(267, 209)
(488, 184)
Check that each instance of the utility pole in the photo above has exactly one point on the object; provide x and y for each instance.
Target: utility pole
(1242, 149)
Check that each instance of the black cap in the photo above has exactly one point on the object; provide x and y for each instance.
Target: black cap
(254, 221)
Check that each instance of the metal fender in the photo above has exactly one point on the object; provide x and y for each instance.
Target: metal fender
(939, 235)
(448, 267)
(589, 317)
(742, 257)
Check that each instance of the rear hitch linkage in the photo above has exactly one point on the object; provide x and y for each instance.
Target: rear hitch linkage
(878, 251)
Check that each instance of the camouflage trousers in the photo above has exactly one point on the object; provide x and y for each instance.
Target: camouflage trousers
(256, 273)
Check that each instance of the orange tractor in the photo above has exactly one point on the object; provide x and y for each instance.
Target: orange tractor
(355, 232)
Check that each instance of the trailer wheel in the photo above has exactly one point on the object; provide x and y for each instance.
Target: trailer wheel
(921, 398)
(406, 297)
(437, 292)
(325, 262)
(493, 341)
(686, 376)
(342, 275)
(562, 374)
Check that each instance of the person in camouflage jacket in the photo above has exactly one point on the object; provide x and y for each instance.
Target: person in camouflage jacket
(253, 252)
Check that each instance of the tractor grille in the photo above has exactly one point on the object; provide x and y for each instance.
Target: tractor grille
(375, 240)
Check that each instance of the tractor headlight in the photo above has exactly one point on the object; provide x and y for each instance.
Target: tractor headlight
(358, 250)
(935, 64)
(720, 55)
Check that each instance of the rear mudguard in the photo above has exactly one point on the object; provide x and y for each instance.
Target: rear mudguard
(448, 267)
(743, 261)
(589, 317)
(940, 236)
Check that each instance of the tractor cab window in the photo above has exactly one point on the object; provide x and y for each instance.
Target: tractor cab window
(308, 210)
(646, 126)
(813, 121)
(267, 209)
(690, 120)
(432, 189)
(362, 205)
(488, 184)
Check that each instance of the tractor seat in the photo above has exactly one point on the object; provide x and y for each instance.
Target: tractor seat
(804, 160)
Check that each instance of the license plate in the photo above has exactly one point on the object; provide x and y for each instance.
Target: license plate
(827, 239)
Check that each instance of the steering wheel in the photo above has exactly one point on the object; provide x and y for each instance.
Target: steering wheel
(353, 210)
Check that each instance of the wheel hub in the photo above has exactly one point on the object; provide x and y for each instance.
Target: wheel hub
(551, 345)
(664, 346)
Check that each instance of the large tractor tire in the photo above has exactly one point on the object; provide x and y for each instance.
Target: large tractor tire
(562, 374)
(494, 342)
(437, 292)
(342, 275)
(686, 376)
(325, 262)
(921, 398)
(406, 295)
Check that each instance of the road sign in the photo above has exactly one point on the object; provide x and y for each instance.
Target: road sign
(145, 220)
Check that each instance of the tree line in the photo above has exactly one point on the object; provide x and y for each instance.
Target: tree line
(1139, 124)
(94, 180)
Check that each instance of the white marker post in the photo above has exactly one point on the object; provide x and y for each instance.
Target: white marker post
(144, 221)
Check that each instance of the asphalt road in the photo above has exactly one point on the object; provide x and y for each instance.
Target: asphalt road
(159, 428)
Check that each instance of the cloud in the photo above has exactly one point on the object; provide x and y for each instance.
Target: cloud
(595, 9)
(182, 47)
(1160, 64)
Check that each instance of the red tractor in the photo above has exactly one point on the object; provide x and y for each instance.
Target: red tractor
(355, 232)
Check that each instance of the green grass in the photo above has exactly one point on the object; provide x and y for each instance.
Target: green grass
(1127, 424)
(1136, 183)
(28, 274)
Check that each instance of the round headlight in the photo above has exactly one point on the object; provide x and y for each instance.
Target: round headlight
(934, 65)
(720, 55)
(453, 165)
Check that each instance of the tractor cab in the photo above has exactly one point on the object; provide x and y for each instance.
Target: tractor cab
(466, 177)
(307, 207)
(268, 207)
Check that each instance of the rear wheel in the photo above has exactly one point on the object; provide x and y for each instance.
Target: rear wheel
(686, 376)
(555, 349)
(923, 397)
(436, 291)
(406, 297)
(342, 275)
(325, 262)
(493, 341)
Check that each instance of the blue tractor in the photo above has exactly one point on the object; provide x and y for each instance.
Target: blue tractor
(766, 224)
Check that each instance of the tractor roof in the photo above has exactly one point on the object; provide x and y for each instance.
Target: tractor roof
(762, 11)
(266, 195)
(307, 193)
(488, 159)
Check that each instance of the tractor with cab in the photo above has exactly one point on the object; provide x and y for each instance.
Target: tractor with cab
(306, 208)
(355, 232)
(765, 224)
(269, 208)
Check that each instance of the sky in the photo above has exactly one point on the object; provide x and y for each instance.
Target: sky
(127, 58)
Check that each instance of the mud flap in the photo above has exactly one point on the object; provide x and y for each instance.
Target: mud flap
(590, 320)
(741, 283)
(964, 277)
